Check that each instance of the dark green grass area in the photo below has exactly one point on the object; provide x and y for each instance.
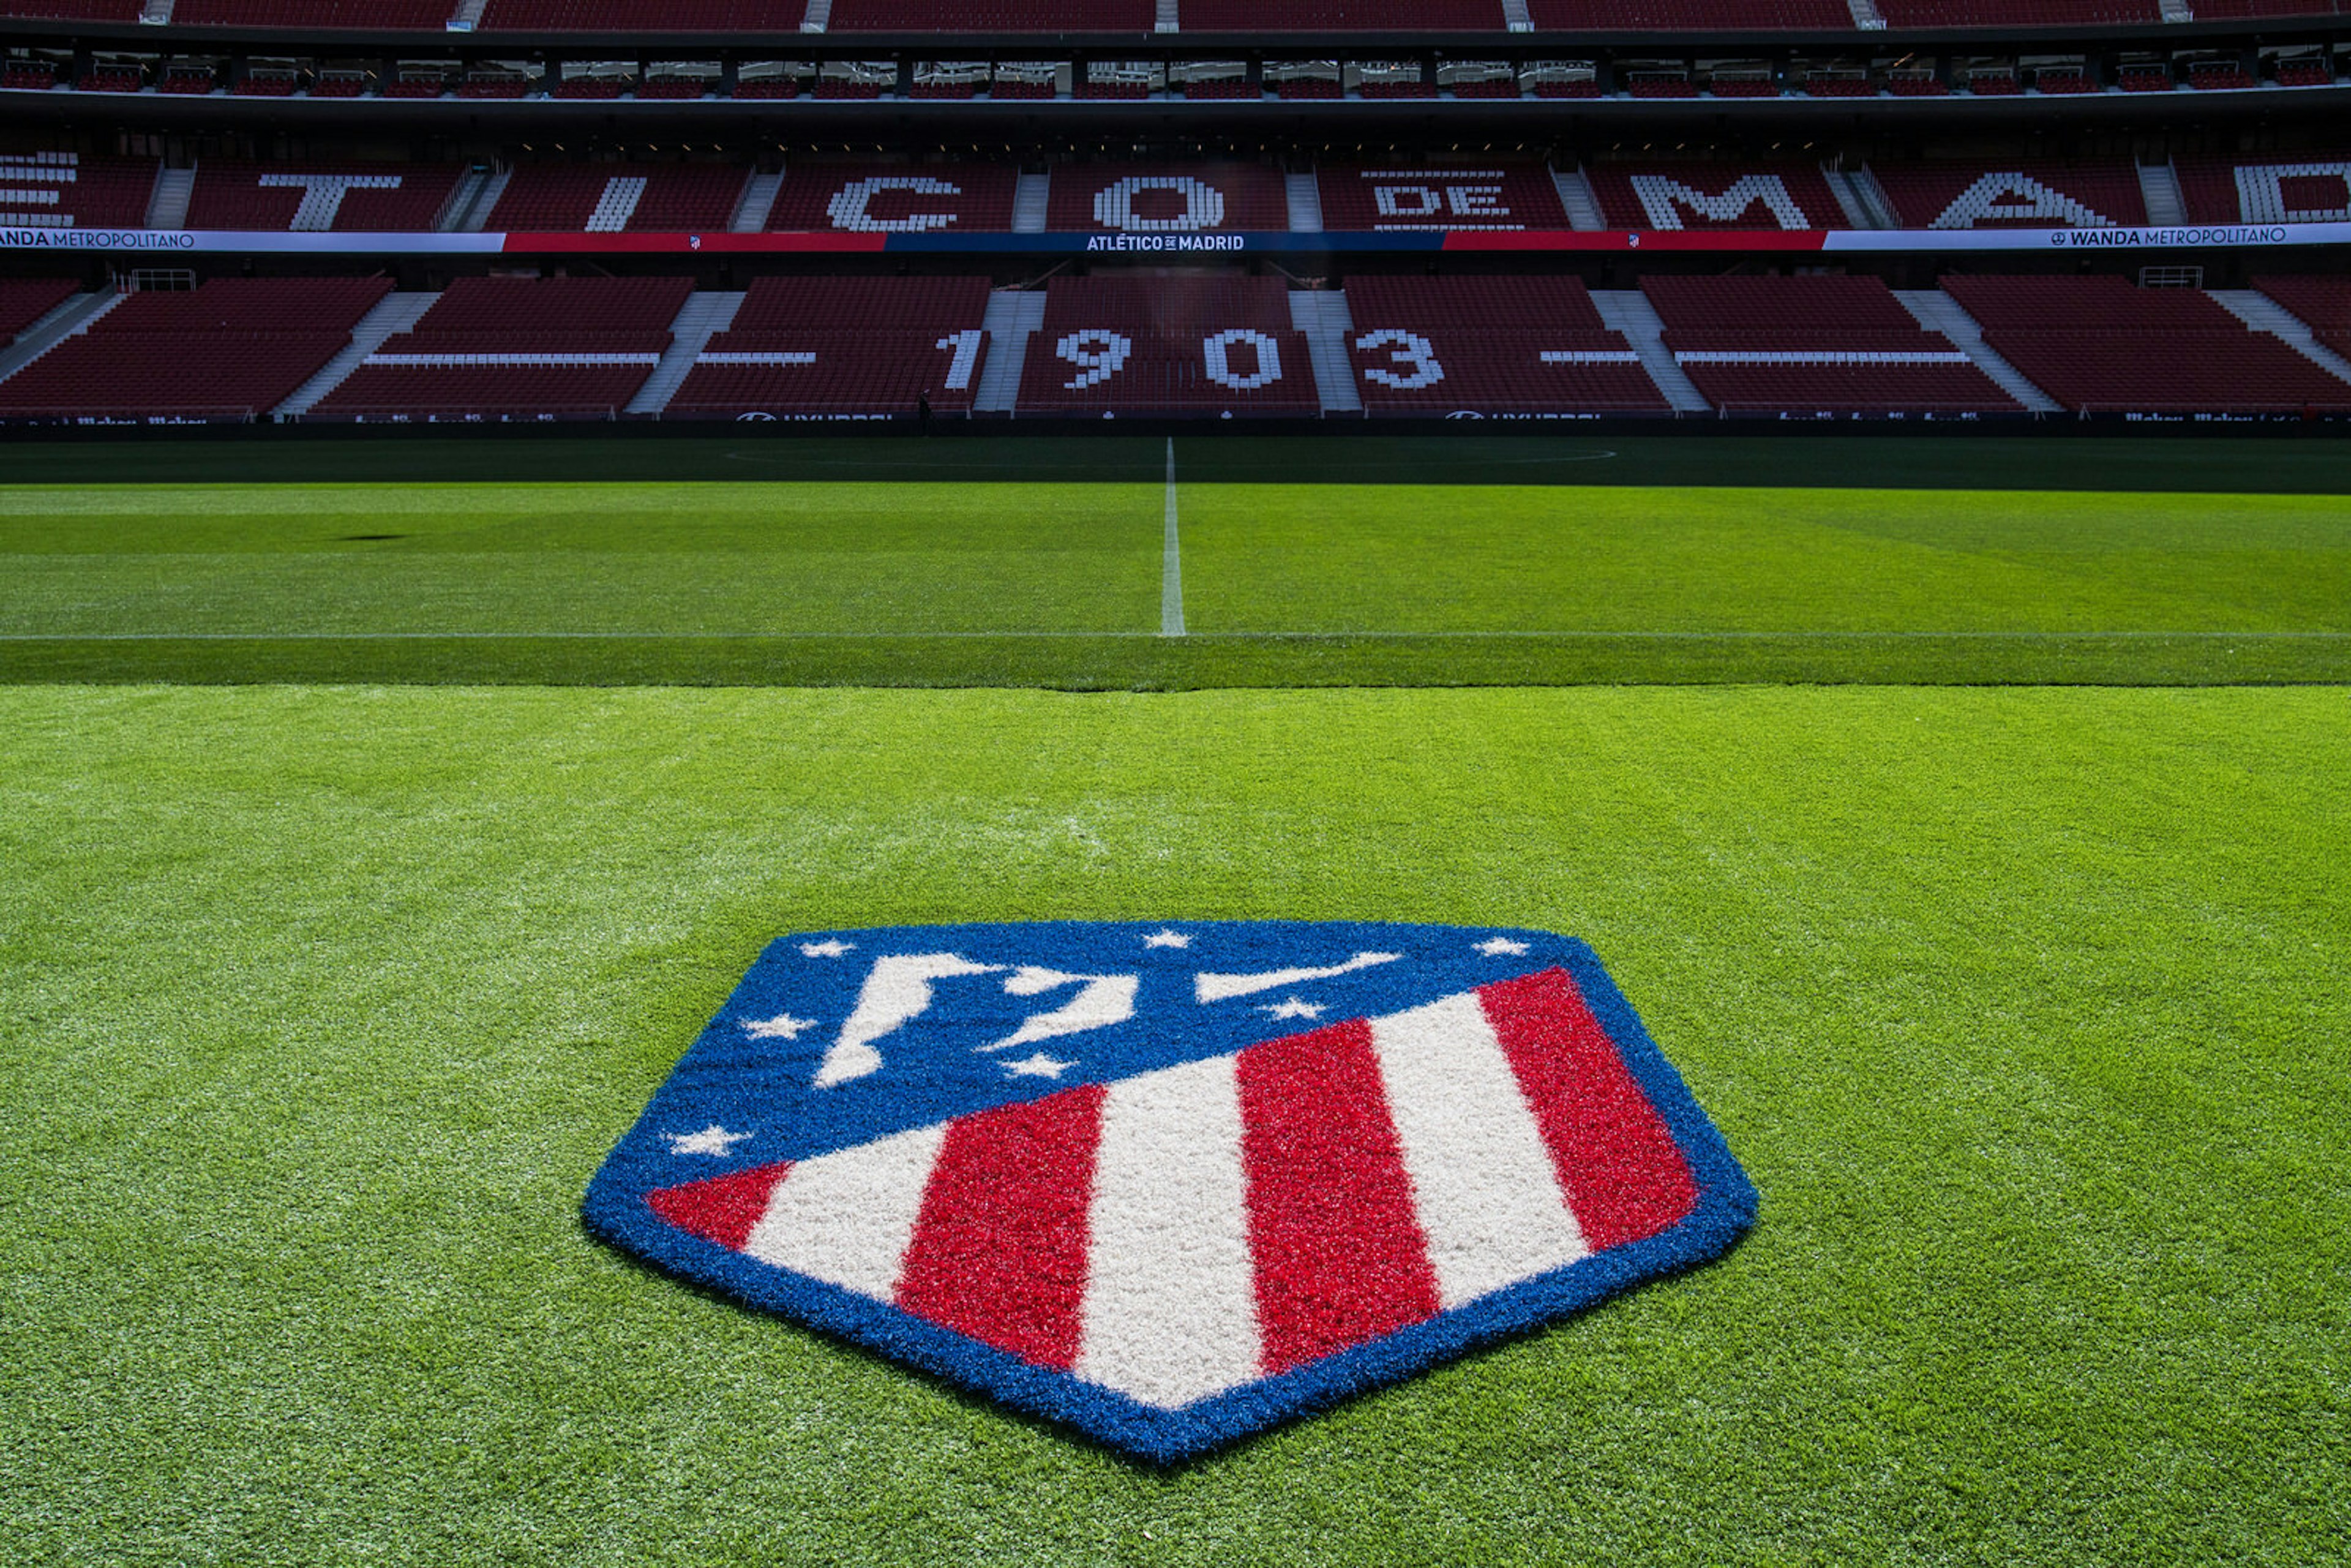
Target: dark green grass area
(938, 582)
(1705, 452)
(2025, 1011)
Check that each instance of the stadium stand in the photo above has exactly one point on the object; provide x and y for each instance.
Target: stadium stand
(2012, 195)
(25, 301)
(609, 198)
(106, 75)
(2059, 79)
(1700, 16)
(406, 197)
(2099, 344)
(2017, 13)
(65, 191)
(2309, 189)
(494, 85)
(233, 347)
(991, 16)
(1178, 345)
(1715, 196)
(802, 347)
(870, 196)
(502, 347)
(423, 15)
(74, 10)
(1502, 194)
(2220, 75)
(1167, 198)
(1814, 345)
(642, 15)
(1342, 15)
(2320, 304)
(1489, 345)
(266, 84)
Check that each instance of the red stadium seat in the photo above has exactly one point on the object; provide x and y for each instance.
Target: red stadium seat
(1423, 346)
(66, 190)
(230, 195)
(2320, 304)
(1656, 196)
(870, 196)
(1814, 345)
(25, 301)
(1167, 198)
(505, 346)
(232, 349)
(2306, 188)
(1147, 346)
(2023, 194)
(2099, 345)
(842, 347)
(608, 198)
(1495, 193)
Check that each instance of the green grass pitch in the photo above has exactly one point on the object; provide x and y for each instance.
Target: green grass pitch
(320, 1003)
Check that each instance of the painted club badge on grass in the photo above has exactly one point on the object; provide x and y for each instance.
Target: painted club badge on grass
(1172, 1184)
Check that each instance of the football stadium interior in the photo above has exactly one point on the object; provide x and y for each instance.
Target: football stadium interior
(509, 508)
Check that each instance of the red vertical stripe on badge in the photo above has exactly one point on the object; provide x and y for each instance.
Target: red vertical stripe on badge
(1339, 1252)
(1616, 1161)
(999, 1251)
(722, 1209)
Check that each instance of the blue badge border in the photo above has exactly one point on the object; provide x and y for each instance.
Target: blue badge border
(1726, 1209)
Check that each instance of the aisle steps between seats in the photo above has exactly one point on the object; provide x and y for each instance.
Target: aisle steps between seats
(393, 313)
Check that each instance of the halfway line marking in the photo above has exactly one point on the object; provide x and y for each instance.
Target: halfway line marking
(1171, 561)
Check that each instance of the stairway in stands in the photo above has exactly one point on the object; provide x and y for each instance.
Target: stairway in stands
(478, 217)
(1575, 196)
(1322, 317)
(1629, 312)
(167, 207)
(1031, 198)
(1014, 316)
(701, 319)
(1305, 201)
(758, 202)
(76, 314)
(2158, 184)
(393, 313)
(1939, 312)
(2263, 314)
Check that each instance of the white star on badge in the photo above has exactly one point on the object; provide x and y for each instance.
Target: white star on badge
(1039, 1066)
(1167, 939)
(1497, 947)
(712, 1140)
(783, 1026)
(1292, 1008)
(830, 947)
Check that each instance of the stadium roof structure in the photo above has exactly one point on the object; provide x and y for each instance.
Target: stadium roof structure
(2095, 68)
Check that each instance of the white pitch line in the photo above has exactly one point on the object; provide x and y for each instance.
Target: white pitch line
(1171, 561)
(1206, 636)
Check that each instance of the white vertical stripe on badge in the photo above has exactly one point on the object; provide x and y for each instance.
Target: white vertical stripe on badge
(1489, 1199)
(1171, 1293)
(847, 1217)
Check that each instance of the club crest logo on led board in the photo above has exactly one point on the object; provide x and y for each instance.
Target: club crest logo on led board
(1170, 1184)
